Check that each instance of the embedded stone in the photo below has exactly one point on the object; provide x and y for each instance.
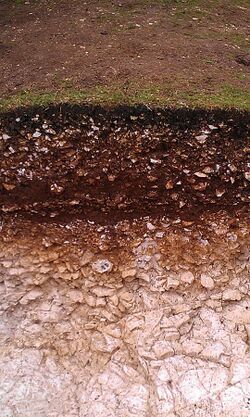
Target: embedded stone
(102, 266)
(187, 277)
(207, 281)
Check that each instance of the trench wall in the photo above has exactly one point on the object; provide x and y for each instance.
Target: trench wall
(131, 301)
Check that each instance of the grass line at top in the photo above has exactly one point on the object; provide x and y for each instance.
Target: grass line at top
(226, 96)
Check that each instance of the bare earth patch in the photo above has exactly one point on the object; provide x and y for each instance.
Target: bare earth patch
(167, 51)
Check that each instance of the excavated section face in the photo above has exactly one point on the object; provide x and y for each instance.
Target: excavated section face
(124, 263)
(109, 165)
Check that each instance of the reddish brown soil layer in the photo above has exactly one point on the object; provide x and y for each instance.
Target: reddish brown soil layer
(114, 164)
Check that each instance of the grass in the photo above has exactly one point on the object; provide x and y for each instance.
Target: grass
(227, 96)
(239, 39)
(230, 95)
(175, 94)
(186, 10)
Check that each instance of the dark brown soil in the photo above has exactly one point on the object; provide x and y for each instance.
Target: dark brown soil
(49, 44)
(112, 164)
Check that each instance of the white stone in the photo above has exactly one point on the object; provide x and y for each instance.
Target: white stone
(213, 351)
(231, 295)
(114, 299)
(201, 138)
(173, 283)
(5, 136)
(100, 302)
(247, 175)
(200, 174)
(163, 349)
(171, 334)
(103, 291)
(207, 281)
(238, 314)
(233, 399)
(187, 277)
(102, 266)
(133, 323)
(198, 384)
(126, 295)
(191, 347)
(128, 273)
(36, 134)
(31, 296)
(75, 295)
(150, 226)
(136, 400)
(163, 374)
(239, 372)
(90, 300)
(104, 343)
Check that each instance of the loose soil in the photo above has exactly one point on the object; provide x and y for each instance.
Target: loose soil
(181, 45)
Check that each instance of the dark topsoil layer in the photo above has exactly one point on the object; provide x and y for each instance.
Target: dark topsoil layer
(108, 164)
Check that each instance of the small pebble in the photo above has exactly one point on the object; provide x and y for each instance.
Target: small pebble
(201, 138)
(5, 136)
(102, 265)
(207, 281)
(37, 134)
(150, 226)
(187, 277)
(200, 174)
(247, 175)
